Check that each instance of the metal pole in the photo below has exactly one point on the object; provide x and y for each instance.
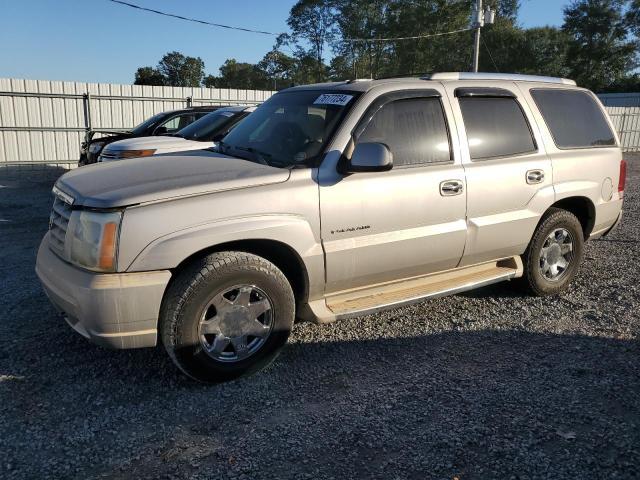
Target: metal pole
(623, 129)
(476, 43)
(86, 99)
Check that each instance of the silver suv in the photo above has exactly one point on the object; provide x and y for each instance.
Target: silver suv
(331, 201)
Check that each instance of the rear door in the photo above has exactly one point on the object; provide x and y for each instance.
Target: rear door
(409, 221)
(509, 175)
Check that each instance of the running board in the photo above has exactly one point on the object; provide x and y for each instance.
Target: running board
(398, 294)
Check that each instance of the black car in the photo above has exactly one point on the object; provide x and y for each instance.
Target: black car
(160, 124)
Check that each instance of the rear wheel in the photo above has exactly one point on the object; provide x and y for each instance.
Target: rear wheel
(554, 254)
(227, 315)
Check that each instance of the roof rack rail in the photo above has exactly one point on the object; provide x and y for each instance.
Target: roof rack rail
(496, 76)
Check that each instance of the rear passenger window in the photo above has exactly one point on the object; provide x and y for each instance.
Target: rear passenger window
(414, 129)
(496, 127)
(574, 118)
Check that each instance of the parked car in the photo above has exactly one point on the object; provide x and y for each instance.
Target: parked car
(159, 124)
(200, 134)
(331, 201)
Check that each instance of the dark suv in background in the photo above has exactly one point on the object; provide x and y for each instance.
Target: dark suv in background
(160, 124)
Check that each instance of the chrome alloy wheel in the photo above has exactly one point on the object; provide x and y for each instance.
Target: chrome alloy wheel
(235, 323)
(556, 254)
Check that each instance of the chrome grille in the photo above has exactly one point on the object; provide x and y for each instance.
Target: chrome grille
(58, 223)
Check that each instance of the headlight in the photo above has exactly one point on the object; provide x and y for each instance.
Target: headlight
(95, 147)
(93, 239)
(122, 154)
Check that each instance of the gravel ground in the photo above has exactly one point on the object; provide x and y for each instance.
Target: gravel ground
(490, 384)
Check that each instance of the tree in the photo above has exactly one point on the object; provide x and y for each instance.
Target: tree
(148, 76)
(312, 21)
(599, 52)
(633, 17)
(279, 67)
(173, 70)
(545, 51)
(234, 74)
(181, 71)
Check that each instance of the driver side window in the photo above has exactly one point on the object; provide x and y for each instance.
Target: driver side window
(414, 129)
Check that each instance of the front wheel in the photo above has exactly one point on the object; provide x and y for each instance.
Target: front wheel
(226, 315)
(554, 254)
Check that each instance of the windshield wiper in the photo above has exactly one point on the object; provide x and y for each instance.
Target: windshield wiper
(255, 151)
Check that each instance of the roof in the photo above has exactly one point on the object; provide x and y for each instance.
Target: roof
(237, 108)
(364, 85)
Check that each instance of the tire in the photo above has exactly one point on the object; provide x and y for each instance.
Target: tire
(538, 265)
(213, 303)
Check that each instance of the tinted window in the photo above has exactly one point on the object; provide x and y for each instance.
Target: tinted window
(574, 118)
(496, 127)
(414, 129)
(291, 128)
(141, 128)
(209, 127)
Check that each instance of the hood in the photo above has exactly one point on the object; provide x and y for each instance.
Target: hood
(161, 177)
(157, 142)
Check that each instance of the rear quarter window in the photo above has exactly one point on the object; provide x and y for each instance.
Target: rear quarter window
(574, 118)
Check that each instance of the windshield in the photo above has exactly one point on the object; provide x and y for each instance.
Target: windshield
(139, 129)
(289, 129)
(208, 127)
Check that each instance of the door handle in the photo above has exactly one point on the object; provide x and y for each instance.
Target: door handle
(535, 176)
(449, 188)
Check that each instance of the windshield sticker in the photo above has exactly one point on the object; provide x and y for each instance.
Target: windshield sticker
(333, 99)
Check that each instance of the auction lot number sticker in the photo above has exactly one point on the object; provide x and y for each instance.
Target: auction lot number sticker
(333, 99)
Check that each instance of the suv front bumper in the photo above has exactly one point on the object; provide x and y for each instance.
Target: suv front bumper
(116, 310)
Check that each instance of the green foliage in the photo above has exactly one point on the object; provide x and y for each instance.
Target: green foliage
(173, 70)
(234, 74)
(181, 71)
(600, 52)
(597, 45)
(279, 67)
(148, 76)
(311, 21)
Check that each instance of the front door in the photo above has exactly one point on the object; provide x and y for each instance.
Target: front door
(409, 221)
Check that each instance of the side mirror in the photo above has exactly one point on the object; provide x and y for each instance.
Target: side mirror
(369, 157)
(160, 131)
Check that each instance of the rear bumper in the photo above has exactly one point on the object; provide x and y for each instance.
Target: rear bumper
(117, 310)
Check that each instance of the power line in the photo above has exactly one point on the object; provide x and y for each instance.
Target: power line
(490, 56)
(242, 29)
(204, 22)
(416, 37)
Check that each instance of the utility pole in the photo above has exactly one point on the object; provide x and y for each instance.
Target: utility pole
(477, 16)
(478, 20)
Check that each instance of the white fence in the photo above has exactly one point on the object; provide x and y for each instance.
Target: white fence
(624, 109)
(45, 121)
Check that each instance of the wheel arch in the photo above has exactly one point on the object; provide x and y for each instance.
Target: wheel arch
(584, 210)
(279, 253)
